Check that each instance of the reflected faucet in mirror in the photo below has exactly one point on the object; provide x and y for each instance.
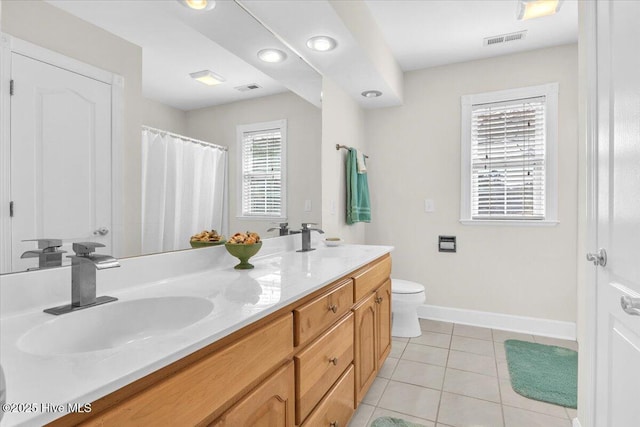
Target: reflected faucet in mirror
(83, 278)
(283, 228)
(47, 253)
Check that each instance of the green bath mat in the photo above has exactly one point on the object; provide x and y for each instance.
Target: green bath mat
(543, 372)
(393, 422)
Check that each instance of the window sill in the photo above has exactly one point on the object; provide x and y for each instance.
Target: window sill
(511, 223)
(262, 218)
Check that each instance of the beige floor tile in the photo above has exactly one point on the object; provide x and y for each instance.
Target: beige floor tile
(375, 391)
(513, 399)
(473, 332)
(516, 417)
(380, 412)
(426, 354)
(433, 339)
(462, 411)
(472, 345)
(362, 416)
(472, 362)
(388, 367)
(436, 326)
(400, 339)
(411, 400)
(502, 336)
(420, 374)
(472, 385)
(503, 370)
(499, 350)
(573, 345)
(397, 347)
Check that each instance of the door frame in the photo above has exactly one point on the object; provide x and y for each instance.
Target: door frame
(10, 45)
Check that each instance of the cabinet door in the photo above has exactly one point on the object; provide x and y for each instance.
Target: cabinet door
(365, 356)
(383, 300)
(271, 404)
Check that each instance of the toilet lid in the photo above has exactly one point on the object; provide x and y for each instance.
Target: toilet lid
(399, 286)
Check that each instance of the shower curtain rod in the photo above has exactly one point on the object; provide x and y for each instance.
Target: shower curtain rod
(184, 138)
(338, 146)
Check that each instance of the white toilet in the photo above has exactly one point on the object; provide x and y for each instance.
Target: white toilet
(405, 298)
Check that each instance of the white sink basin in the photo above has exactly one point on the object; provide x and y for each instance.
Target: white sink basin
(113, 325)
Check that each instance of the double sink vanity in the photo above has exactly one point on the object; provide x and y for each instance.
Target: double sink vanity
(298, 340)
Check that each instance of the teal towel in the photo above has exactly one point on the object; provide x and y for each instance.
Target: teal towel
(358, 203)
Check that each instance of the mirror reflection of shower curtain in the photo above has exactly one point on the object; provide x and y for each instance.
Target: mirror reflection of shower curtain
(183, 190)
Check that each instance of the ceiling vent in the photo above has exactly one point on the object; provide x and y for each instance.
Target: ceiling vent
(250, 86)
(504, 38)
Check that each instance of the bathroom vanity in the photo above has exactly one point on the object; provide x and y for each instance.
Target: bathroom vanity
(296, 341)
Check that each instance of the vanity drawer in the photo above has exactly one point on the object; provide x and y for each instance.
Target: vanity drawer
(336, 409)
(195, 394)
(369, 279)
(317, 315)
(320, 364)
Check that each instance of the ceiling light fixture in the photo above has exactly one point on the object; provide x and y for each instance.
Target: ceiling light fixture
(321, 43)
(272, 55)
(207, 77)
(529, 9)
(203, 5)
(371, 93)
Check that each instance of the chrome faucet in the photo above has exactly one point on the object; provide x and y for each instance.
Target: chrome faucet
(83, 278)
(306, 236)
(47, 253)
(283, 227)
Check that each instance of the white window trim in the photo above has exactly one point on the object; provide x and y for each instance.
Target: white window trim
(255, 127)
(550, 92)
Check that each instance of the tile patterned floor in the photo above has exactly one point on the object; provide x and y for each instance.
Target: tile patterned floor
(456, 376)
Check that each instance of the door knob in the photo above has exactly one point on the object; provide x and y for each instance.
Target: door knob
(630, 305)
(599, 258)
(102, 231)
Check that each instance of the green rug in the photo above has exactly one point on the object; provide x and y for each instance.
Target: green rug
(393, 422)
(543, 372)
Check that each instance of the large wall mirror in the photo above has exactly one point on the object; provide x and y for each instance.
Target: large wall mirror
(132, 61)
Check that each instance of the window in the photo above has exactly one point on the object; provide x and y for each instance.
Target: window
(262, 170)
(509, 150)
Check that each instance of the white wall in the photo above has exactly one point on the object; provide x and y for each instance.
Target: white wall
(162, 116)
(415, 154)
(218, 125)
(47, 26)
(342, 123)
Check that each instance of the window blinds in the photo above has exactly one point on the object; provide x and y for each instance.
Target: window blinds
(262, 173)
(508, 159)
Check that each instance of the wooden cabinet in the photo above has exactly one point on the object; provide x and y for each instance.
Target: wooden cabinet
(337, 408)
(383, 301)
(271, 404)
(365, 345)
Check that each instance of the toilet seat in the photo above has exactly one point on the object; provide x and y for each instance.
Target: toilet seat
(399, 286)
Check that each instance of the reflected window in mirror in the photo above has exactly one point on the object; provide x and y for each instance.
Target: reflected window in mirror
(262, 182)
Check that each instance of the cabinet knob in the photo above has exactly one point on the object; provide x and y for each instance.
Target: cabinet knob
(379, 300)
(333, 308)
(333, 424)
(334, 360)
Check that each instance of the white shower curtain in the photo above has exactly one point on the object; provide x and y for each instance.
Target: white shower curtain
(183, 190)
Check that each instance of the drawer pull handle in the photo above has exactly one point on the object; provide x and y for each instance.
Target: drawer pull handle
(333, 424)
(333, 308)
(334, 360)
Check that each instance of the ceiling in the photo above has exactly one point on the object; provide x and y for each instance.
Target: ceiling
(177, 41)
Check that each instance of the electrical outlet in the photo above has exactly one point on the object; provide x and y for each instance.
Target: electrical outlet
(429, 205)
(307, 205)
(332, 207)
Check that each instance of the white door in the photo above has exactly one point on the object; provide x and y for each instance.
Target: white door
(60, 157)
(618, 214)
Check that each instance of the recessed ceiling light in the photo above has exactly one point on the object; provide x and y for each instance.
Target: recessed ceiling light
(529, 9)
(198, 4)
(321, 43)
(371, 93)
(272, 55)
(207, 77)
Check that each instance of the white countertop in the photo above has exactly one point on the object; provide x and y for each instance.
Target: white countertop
(281, 276)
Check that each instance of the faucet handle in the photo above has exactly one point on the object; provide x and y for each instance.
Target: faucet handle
(85, 248)
(305, 225)
(46, 244)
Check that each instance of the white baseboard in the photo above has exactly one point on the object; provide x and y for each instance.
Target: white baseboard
(575, 423)
(507, 322)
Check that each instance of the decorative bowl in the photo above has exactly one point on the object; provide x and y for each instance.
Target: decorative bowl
(203, 244)
(243, 253)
